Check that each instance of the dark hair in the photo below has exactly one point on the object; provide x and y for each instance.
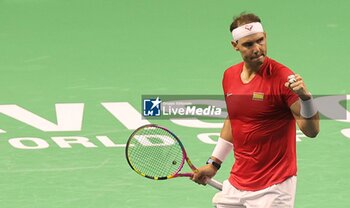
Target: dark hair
(243, 19)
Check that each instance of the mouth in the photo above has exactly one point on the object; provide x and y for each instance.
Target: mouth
(260, 57)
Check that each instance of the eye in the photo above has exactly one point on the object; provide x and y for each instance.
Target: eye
(248, 44)
(261, 41)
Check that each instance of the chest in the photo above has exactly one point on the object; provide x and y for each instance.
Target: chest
(260, 98)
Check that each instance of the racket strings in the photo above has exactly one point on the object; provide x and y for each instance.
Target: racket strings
(155, 152)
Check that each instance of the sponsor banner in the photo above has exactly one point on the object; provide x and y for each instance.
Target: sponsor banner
(160, 107)
(183, 106)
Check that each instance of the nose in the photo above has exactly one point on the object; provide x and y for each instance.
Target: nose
(256, 49)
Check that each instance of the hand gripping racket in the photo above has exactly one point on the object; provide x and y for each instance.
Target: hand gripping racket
(156, 153)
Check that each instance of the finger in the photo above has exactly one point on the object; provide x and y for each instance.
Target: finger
(207, 179)
(296, 89)
(295, 84)
(286, 84)
(298, 78)
(203, 180)
(196, 176)
(291, 78)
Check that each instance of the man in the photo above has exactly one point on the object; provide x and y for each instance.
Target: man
(264, 101)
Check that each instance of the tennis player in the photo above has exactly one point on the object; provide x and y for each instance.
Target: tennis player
(265, 100)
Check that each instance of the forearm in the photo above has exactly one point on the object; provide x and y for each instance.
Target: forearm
(304, 110)
(309, 119)
(221, 150)
(309, 126)
(224, 145)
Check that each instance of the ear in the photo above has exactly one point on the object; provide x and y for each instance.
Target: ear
(234, 44)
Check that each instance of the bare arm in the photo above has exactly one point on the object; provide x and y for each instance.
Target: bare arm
(225, 134)
(309, 126)
(208, 171)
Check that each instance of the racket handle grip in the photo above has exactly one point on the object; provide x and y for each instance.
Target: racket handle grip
(214, 183)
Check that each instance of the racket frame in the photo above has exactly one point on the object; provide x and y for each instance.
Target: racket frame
(211, 182)
(184, 156)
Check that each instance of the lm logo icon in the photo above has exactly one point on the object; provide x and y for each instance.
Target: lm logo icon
(151, 107)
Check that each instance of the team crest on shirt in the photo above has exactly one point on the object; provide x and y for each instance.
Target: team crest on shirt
(259, 96)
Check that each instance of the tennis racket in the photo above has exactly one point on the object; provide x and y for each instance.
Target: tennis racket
(156, 153)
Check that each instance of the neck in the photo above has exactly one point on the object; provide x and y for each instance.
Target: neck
(249, 72)
(252, 69)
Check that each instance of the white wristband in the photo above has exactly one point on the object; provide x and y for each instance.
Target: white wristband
(307, 108)
(222, 149)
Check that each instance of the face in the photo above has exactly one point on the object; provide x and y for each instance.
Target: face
(253, 48)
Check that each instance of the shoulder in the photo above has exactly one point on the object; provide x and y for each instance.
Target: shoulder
(231, 75)
(233, 69)
(279, 70)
